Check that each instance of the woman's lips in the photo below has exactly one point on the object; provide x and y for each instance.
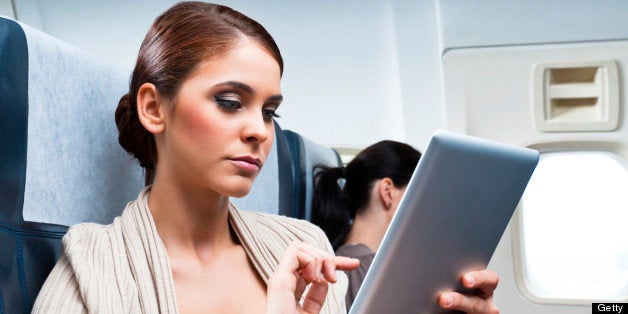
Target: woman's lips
(247, 163)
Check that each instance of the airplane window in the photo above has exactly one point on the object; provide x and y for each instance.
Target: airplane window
(573, 227)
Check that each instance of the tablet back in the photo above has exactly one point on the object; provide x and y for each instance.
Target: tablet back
(450, 220)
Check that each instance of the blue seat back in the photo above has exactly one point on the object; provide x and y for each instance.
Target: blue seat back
(306, 155)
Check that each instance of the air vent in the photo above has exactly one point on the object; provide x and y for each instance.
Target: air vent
(572, 97)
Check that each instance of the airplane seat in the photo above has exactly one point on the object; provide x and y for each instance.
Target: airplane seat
(306, 155)
(60, 162)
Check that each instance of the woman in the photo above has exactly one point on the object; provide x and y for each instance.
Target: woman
(199, 118)
(355, 216)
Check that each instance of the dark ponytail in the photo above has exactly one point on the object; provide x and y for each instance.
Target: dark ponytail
(328, 205)
(334, 207)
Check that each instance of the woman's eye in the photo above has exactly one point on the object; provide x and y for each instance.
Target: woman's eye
(228, 104)
(269, 114)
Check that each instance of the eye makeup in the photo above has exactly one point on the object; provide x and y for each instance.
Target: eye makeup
(227, 104)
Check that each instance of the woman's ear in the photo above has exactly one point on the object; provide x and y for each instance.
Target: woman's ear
(149, 108)
(386, 192)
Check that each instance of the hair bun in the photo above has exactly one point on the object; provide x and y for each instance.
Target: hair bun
(124, 115)
(132, 135)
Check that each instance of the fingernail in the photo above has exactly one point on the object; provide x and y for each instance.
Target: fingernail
(448, 300)
(470, 281)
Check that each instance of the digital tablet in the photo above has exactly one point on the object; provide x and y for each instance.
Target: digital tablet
(450, 219)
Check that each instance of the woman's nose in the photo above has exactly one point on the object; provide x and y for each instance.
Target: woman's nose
(256, 129)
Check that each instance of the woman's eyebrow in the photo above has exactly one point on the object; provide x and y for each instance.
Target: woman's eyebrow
(245, 88)
(239, 86)
(275, 98)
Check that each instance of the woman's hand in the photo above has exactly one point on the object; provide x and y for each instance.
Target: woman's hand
(301, 265)
(483, 282)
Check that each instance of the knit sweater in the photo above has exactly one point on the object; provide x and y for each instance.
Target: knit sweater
(123, 267)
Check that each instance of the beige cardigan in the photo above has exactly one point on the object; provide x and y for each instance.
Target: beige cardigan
(123, 267)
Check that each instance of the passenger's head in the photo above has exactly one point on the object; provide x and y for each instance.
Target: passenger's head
(210, 44)
(334, 205)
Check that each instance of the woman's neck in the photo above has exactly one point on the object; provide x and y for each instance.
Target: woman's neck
(190, 221)
(368, 228)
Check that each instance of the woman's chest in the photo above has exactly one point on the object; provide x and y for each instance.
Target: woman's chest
(228, 285)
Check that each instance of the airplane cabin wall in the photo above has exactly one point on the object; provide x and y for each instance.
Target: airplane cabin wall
(6, 8)
(418, 36)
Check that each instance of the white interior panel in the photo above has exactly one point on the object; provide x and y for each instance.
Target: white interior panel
(6, 8)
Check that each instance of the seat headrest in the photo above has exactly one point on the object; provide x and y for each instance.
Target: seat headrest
(306, 155)
(58, 132)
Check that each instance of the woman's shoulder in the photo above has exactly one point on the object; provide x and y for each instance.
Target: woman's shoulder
(87, 230)
(95, 251)
(91, 269)
(89, 239)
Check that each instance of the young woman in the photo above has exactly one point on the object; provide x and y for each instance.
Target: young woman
(199, 118)
(355, 216)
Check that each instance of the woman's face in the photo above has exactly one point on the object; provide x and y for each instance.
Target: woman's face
(220, 131)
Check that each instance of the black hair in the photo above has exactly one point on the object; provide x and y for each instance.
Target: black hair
(335, 205)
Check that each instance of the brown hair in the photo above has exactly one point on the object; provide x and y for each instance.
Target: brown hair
(181, 38)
